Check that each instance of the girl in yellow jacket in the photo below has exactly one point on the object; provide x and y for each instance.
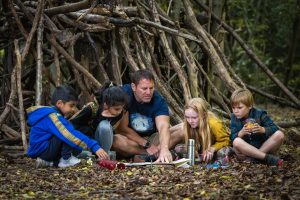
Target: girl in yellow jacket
(209, 132)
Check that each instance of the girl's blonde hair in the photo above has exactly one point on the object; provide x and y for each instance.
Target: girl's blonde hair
(202, 134)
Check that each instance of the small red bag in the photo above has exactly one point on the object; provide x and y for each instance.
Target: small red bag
(111, 164)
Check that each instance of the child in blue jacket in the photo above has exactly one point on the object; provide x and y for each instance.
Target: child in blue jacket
(253, 133)
(53, 139)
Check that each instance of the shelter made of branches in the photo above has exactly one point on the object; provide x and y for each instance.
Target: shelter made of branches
(86, 43)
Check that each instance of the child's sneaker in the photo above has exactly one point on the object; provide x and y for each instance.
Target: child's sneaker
(180, 150)
(273, 160)
(85, 154)
(69, 162)
(40, 163)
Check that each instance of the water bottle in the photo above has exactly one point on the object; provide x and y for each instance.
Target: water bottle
(191, 152)
(112, 155)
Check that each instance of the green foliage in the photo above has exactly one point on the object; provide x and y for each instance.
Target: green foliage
(267, 27)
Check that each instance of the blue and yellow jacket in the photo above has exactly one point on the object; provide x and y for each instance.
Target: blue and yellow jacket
(47, 121)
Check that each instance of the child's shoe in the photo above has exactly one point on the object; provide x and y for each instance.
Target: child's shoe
(69, 162)
(40, 163)
(85, 154)
(273, 160)
(180, 150)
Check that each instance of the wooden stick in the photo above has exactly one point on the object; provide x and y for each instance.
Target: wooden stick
(39, 66)
(33, 29)
(288, 124)
(103, 73)
(20, 96)
(172, 59)
(17, 19)
(132, 64)
(73, 62)
(68, 8)
(253, 56)
(177, 110)
(191, 67)
(272, 97)
(209, 48)
(11, 133)
(12, 140)
(57, 67)
(11, 98)
(114, 57)
(11, 147)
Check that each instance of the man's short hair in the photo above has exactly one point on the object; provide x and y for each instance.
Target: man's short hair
(141, 74)
(243, 96)
(65, 93)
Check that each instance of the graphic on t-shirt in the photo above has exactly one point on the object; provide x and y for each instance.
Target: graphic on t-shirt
(141, 123)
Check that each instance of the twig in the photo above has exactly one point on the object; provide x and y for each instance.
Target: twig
(11, 99)
(272, 97)
(96, 56)
(20, 96)
(39, 66)
(209, 48)
(73, 62)
(114, 56)
(11, 133)
(11, 147)
(132, 64)
(172, 59)
(253, 56)
(68, 8)
(33, 29)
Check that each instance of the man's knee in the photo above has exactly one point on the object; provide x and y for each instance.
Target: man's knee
(119, 140)
(177, 131)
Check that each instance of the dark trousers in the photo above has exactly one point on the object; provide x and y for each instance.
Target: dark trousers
(57, 149)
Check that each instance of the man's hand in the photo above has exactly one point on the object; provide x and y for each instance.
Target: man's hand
(153, 150)
(102, 154)
(165, 156)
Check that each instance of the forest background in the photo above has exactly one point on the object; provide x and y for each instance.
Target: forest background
(195, 48)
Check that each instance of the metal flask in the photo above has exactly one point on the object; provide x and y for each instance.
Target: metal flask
(191, 152)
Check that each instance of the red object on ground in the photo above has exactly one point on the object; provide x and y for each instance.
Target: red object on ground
(280, 163)
(111, 164)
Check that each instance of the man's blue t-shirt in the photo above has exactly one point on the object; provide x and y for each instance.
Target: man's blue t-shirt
(142, 115)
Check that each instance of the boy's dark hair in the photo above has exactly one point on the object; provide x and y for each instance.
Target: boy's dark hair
(65, 93)
(111, 95)
(141, 74)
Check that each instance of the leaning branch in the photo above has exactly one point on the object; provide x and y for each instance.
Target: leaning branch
(73, 62)
(252, 55)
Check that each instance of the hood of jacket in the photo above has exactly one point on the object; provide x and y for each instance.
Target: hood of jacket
(36, 113)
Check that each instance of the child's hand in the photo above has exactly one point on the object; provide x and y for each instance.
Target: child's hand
(245, 131)
(208, 155)
(102, 154)
(258, 129)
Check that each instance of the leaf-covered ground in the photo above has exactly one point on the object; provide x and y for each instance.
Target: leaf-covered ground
(19, 179)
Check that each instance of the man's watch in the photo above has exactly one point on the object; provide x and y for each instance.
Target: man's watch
(146, 145)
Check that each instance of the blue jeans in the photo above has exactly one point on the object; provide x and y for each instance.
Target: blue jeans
(104, 135)
(57, 149)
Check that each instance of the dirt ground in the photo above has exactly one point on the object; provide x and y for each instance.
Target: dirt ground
(20, 180)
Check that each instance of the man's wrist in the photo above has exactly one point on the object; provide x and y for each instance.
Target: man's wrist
(146, 144)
